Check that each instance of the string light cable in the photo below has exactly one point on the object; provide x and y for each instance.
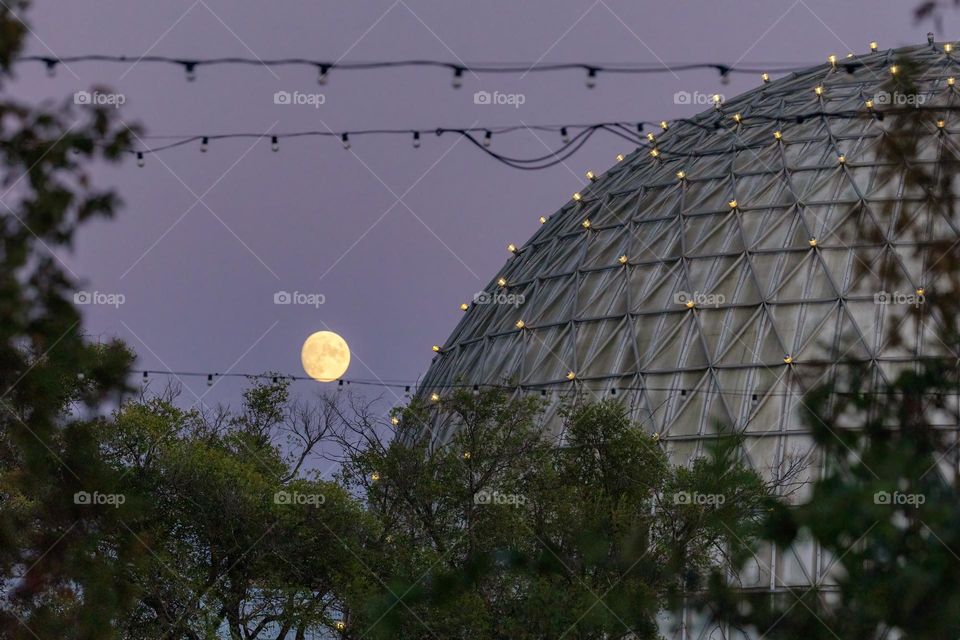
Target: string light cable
(458, 69)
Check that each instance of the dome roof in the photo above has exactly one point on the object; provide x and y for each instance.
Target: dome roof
(720, 294)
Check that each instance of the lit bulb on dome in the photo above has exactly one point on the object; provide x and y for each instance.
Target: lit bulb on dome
(436, 348)
(818, 90)
(520, 324)
(464, 306)
(664, 125)
(394, 420)
(765, 77)
(787, 359)
(591, 176)
(501, 282)
(654, 153)
(951, 81)
(690, 304)
(512, 248)
(868, 104)
(812, 242)
(435, 397)
(651, 137)
(681, 175)
(737, 118)
(778, 135)
(941, 124)
(948, 48)
(873, 46)
(894, 70)
(832, 59)
(571, 375)
(920, 291)
(543, 219)
(841, 159)
(577, 197)
(620, 157)
(586, 223)
(732, 204)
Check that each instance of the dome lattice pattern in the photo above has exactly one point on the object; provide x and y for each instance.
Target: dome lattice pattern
(722, 296)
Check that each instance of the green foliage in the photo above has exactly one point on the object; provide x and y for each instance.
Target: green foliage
(501, 533)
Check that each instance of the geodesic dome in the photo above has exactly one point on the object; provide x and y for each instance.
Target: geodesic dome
(742, 258)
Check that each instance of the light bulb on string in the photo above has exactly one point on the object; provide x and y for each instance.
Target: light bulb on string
(591, 78)
(204, 144)
(487, 138)
(457, 77)
(322, 72)
(345, 140)
(416, 139)
(51, 67)
(274, 143)
(191, 69)
(724, 75)
(564, 136)
(140, 160)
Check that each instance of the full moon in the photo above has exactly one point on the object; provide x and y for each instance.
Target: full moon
(325, 356)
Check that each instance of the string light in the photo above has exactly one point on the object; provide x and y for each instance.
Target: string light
(873, 46)
(690, 304)
(501, 282)
(586, 224)
(812, 242)
(204, 144)
(543, 219)
(416, 139)
(591, 78)
(681, 175)
(191, 69)
(868, 104)
(623, 259)
(591, 176)
(376, 476)
(818, 90)
(841, 159)
(435, 397)
(788, 359)
(778, 135)
(322, 71)
(394, 420)
(920, 291)
(894, 70)
(520, 324)
(951, 81)
(577, 197)
(654, 153)
(564, 136)
(620, 157)
(512, 248)
(732, 204)
(948, 48)
(571, 375)
(487, 138)
(464, 306)
(941, 123)
(832, 59)
(737, 118)
(664, 125)
(458, 77)
(651, 137)
(275, 143)
(436, 348)
(140, 160)
(765, 77)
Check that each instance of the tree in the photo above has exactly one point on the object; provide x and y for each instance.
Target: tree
(59, 555)
(501, 533)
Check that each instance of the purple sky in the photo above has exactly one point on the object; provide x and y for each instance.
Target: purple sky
(199, 277)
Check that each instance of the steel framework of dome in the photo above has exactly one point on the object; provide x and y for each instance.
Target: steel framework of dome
(716, 275)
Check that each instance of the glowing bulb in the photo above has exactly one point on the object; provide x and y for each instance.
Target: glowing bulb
(654, 153)
(512, 248)
(204, 144)
(841, 159)
(585, 224)
(948, 48)
(620, 157)
(737, 118)
(340, 625)
(571, 375)
(778, 135)
(623, 259)
(376, 476)
(345, 140)
(520, 324)
(951, 81)
(466, 455)
(765, 77)
(664, 125)
(394, 420)
(651, 137)
(274, 144)
(818, 90)
(873, 46)
(591, 176)
(681, 175)
(543, 219)
(436, 348)
(920, 291)
(732, 204)
(787, 359)
(140, 160)
(416, 139)
(690, 304)
(812, 242)
(941, 124)
(894, 70)
(868, 104)
(464, 306)
(832, 59)
(577, 197)
(435, 397)
(502, 282)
